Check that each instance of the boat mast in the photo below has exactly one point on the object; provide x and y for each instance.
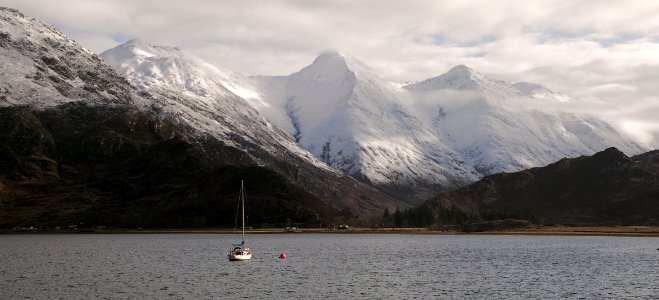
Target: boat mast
(242, 196)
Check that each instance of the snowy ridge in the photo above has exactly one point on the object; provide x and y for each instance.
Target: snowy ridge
(202, 97)
(498, 127)
(355, 121)
(147, 66)
(429, 136)
(463, 78)
(43, 68)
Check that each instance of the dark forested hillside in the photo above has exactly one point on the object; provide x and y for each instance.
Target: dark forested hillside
(607, 188)
(120, 167)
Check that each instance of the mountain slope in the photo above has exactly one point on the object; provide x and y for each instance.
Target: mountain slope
(538, 91)
(608, 188)
(195, 95)
(117, 166)
(43, 68)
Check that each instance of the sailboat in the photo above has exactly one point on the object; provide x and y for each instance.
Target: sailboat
(240, 252)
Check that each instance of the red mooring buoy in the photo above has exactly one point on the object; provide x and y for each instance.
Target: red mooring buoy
(282, 256)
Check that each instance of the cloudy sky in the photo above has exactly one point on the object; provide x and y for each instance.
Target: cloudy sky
(605, 54)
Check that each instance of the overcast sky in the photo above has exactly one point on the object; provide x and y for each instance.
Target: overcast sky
(605, 54)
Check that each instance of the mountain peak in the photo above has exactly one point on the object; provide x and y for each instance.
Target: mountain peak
(331, 58)
(461, 71)
(610, 155)
(464, 74)
(146, 65)
(329, 54)
(340, 64)
(464, 78)
(459, 77)
(140, 48)
(136, 42)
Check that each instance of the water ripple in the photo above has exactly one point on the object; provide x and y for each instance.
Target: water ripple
(329, 266)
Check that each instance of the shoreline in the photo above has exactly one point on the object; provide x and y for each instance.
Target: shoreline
(623, 231)
(626, 231)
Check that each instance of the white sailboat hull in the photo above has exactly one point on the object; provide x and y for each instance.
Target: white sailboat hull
(235, 257)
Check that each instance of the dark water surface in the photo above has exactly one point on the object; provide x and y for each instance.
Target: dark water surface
(332, 266)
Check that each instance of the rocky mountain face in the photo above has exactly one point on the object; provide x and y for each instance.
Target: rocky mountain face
(78, 142)
(607, 188)
(436, 135)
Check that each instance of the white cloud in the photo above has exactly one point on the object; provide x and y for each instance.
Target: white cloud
(602, 52)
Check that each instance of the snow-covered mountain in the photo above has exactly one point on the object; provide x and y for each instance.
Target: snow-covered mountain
(498, 127)
(411, 141)
(196, 94)
(45, 73)
(207, 100)
(352, 119)
(430, 136)
(148, 65)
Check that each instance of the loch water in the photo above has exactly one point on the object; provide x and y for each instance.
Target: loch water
(329, 266)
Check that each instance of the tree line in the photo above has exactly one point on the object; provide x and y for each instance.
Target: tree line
(423, 216)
